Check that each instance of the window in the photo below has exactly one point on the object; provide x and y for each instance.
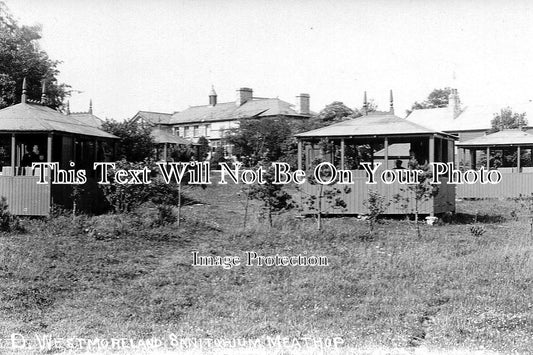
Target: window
(196, 130)
(207, 130)
(186, 132)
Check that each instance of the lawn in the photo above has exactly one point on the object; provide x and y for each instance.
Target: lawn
(130, 276)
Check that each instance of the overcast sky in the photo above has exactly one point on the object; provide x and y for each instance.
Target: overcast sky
(164, 55)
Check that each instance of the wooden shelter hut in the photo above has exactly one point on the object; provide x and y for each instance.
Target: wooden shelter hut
(31, 132)
(349, 143)
(164, 140)
(510, 152)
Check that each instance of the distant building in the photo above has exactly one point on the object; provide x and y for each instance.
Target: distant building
(215, 120)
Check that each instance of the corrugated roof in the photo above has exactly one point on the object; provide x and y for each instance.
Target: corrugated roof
(230, 111)
(25, 117)
(475, 117)
(155, 117)
(371, 125)
(507, 137)
(87, 118)
(161, 136)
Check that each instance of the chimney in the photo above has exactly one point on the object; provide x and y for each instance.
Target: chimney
(90, 106)
(212, 97)
(24, 96)
(43, 94)
(67, 108)
(302, 104)
(454, 103)
(391, 109)
(244, 95)
(365, 105)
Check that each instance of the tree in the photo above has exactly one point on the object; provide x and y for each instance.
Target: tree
(21, 56)
(335, 112)
(437, 98)
(203, 148)
(266, 138)
(273, 196)
(507, 119)
(136, 142)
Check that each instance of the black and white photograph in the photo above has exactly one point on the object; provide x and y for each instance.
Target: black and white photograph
(266, 177)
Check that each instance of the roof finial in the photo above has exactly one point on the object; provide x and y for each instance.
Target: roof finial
(365, 105)
(391, 110)
(91, 106)
(24, 89)
(43, 95)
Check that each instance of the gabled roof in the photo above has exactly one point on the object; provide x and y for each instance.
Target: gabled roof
(507, 137)
(475, 117)
(161, 136)
(87, 118)
(230, 111)
(154, 117)
(372, 125)
(26, 117)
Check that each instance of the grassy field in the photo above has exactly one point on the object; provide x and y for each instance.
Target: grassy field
(128, 276)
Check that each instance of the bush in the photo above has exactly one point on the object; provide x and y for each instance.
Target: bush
(126, 197)
(8, 222)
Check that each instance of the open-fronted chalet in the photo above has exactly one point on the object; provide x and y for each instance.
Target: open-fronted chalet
(32, 132)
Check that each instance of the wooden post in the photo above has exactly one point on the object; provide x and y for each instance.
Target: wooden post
(473, 158)
(300, 154)
(49, 148)
(342, 153)
(165, 152)
(13, 148)
(95, 150)
(518, 158)
(488, 158)
(386, 144)
(432, 149)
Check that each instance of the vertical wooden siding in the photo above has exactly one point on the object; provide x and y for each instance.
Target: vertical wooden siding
(24, 196)
(355, 194)
(512, 185)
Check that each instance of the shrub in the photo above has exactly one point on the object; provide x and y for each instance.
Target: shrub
(8, 222)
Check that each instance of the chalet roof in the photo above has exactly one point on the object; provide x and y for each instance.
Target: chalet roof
(372, 125)
(26, 117)
(87, 118)
(507, 137)
(161, 136)
(154, 117)
(230, 111)
(471, 118)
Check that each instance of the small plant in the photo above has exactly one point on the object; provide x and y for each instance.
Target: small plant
(419, 193)
(376, 206)
(477, 230)
(323, 199)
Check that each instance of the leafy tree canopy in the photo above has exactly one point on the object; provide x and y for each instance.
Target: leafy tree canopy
(258, 139)
(437, 98)
(136, 142)
(507, 119)
(21, 56)
(336, 111)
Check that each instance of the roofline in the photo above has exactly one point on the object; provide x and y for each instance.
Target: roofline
(441, 134)
(56, 132)
(235, 119)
